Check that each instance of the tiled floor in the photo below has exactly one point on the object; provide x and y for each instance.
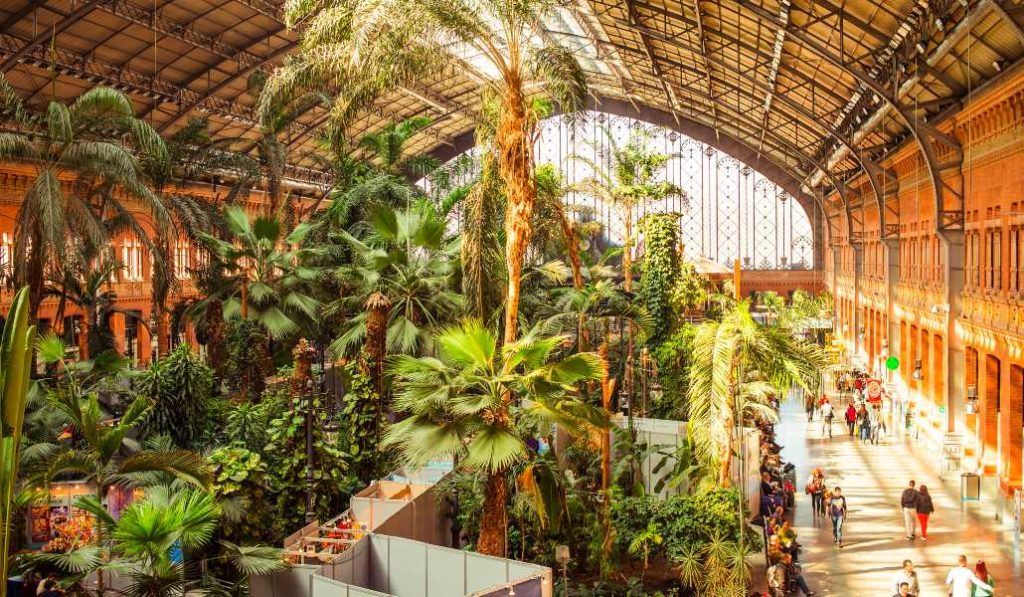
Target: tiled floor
(872, 478)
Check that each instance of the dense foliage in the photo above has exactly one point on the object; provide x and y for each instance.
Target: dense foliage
(181, 387)
(661, 271)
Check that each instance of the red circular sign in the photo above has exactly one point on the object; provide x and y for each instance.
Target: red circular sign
(874, 390)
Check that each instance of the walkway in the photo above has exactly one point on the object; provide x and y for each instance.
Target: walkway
(872, 478)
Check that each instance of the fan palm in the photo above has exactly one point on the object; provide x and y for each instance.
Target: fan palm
(262, 281)
(475, 402)
(365, 48)
(93, 143)
(399, 287)
(628, 182)
(143, 540)
(103, 455)
(737, 365)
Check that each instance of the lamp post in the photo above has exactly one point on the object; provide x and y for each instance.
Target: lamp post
(308, 398)
(562, 557)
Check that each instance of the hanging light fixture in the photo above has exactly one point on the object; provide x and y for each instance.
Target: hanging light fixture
(918, 374)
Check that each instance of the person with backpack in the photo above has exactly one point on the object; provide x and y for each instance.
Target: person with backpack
(864, 420)
(816, 489)
(908, 502)
(851, 418)
(924, 509)
(837, 512)
(826, 417)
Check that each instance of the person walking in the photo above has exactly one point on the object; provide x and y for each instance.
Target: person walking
(907, 576)
(816, 489)
(809, 405)
(981, 573)
(924, 509)
(865, 424)
(903, 591)
(908, 502)
(826, 417)
(838, 512)
(961, 580)
(851, 418)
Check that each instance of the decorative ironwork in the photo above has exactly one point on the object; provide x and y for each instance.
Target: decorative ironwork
(730, 210)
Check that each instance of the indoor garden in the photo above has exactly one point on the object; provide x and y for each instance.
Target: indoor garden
(515, 313)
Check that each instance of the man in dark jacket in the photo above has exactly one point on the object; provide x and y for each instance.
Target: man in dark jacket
(908, 501)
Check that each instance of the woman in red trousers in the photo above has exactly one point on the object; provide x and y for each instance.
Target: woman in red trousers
(924, 510)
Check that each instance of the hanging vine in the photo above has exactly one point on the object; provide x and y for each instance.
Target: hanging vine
(660, 270)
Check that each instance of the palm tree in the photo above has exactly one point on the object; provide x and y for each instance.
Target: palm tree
(628, 182)
(192, 154)
(458, 406)
(551, 214)
(88, 288)
(387, 149)
(93, 142)
(142, 540)
(262, 281)
(365, 48)
(737, 365)
(399, 286)
(103, 455)
(275, 118)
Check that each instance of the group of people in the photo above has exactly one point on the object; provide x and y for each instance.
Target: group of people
(916, 504)
(961, 581)
(827, 502)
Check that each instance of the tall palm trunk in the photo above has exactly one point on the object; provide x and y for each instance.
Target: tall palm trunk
(163, 332)
(215, 354)
(35, 273)
(572, 247)
(494, 517)
(515, 163)
(378, 307)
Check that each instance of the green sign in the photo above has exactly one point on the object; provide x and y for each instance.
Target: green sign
(892, 363)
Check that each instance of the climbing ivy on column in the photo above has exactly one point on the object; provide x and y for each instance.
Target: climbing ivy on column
(660, 270)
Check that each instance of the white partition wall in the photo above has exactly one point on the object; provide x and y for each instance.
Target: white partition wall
(384, 566)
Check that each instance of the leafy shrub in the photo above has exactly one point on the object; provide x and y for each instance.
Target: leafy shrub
(248, 362)
(240, 483)
(673, 359)
(180, 387)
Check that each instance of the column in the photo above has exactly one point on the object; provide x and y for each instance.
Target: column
(145, 340)
(892, 277)
(858, 319)
(955, 386)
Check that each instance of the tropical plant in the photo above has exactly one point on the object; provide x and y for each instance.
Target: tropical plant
(180, 387)
(690, 290)
(597, 305)
(673, 358)
(248, 361)
(399, 287)
(262, 281)
(275, 118)
(285, 454)
(387, 147)
(642, 543)
(94, 141)
(88, 288)
(144, 541)
(102, 452)
(772, 303)
(630, 181)
(192, 153)
(16, 343)
(474, 401)
(737, 365)
(367, 48)
(241, 485)
(553, 231)
(661, 271)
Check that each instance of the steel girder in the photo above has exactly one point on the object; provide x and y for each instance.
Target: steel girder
(949, 197)
(866, 163)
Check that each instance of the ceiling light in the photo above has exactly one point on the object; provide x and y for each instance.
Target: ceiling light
(920, 48)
